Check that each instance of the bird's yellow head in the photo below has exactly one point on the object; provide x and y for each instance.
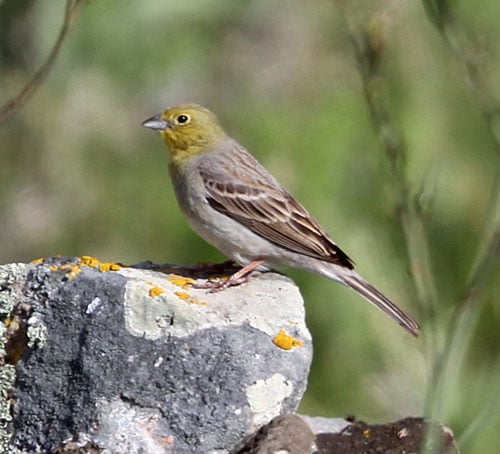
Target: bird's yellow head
(187, 130)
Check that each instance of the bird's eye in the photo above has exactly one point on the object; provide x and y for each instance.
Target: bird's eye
(183, 119)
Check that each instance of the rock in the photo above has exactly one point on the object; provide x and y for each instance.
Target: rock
(97, 357)
(286, 433)
(101, 358)
(294, 434)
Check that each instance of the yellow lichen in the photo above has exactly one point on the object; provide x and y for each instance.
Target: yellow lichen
(71, 269)
(88, 260)
(109, 266)
(180, 281)
(155, 291)
(198, 302)
(285, 341)
(85, 260)
(366, 433)
(186, 297)
(37, 261)
(182, 295)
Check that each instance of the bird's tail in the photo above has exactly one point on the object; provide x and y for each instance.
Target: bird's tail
(371, 294)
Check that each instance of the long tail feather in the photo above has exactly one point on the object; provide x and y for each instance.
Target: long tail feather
(371, 294)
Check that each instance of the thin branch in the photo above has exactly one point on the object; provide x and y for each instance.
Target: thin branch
(41, 73)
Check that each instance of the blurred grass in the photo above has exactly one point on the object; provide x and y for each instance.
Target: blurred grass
(80, 176)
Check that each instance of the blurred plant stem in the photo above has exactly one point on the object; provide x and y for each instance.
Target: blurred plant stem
(368, 43)
(448, 356)
(473, 59)
(41, 73)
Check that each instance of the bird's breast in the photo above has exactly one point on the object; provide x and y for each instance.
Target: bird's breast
(229, 236)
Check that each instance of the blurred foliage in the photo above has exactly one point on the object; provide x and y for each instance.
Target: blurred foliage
(80, 176)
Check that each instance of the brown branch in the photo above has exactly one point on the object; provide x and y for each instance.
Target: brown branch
(41, 73)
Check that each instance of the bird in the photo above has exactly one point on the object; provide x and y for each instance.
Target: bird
(235, 204)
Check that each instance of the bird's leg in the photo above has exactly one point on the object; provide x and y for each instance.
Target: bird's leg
(237, 278)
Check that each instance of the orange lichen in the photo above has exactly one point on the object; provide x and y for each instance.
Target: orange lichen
(197, 301)
(285, 341)
(109, 266)
(186, 297)
(182, 295)
(71, 269)
(155, 291)
(88, 260)
(180, 281)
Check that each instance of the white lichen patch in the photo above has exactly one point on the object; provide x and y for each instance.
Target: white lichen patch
(7, 378)
(36, 331)
(267, 302)
(129, 428)
(9, 274)
(265, 398)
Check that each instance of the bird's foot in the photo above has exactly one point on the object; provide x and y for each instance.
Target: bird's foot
(239, 277)
(221, 284)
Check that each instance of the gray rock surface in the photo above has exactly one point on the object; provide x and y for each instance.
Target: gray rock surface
(136, 360)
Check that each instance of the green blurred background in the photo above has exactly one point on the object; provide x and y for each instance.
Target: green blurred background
(79, 176)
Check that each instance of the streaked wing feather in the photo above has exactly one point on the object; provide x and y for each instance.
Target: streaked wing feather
(267, 208)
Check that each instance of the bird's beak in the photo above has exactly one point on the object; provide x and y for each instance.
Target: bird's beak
(157, 123)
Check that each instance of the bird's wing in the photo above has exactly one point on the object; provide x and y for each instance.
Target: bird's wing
(241, 188)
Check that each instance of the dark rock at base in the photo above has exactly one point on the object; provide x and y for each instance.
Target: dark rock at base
(294, 434)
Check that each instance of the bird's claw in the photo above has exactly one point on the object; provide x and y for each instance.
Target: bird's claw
(219, 285)
(239, 277)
